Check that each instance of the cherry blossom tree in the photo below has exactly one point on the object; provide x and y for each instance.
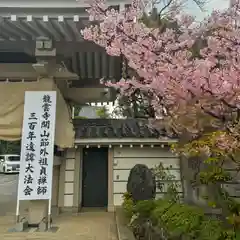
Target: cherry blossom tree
(190, 71)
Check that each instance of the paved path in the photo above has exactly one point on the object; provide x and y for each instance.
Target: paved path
(8, 187)
(8, 195)
(84, 226)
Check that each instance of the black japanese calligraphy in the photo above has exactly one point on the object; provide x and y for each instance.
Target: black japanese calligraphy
(31, 135)
(31, 147)
(32, 116)
(43, 161)
(42, 180)
(30, 154)
(29, 168)
(47, 99)
(42, 190)
(45, 134)
(46, 116)
(43, 171)
(27, 191)
(46, 107)
(28, 179)
(30, 157)
(44, 142)
(43, 152)
(45, 124)
(32, 125)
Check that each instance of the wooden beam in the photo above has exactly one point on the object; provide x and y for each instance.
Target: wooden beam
(18, 46)
(62, 47)
(69, 48)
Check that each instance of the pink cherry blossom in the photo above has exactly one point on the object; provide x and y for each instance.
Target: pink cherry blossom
(192, 71)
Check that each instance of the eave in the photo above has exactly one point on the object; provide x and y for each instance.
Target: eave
(51, 4)
(25, 72)
(23, 23)
(30, 27)
(15, 72)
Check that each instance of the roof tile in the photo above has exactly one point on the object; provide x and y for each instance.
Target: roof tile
(115, 128)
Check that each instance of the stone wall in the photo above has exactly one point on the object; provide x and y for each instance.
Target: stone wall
(194, 194)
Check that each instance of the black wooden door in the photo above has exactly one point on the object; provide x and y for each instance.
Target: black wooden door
(95, 177)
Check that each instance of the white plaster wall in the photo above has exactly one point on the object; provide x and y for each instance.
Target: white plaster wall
(69, 177)
(68, 200)
(125, 158)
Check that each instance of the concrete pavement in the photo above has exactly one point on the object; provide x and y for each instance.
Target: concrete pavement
(8, 195)
(83, 226)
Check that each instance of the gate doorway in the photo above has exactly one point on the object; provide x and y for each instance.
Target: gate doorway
(95, 177)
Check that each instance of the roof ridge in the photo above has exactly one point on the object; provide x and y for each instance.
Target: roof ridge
(116, 128)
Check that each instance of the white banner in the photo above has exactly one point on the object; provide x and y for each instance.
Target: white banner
(37, 151)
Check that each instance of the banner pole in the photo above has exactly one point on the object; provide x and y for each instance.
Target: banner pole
(49, 212)
(17, 210)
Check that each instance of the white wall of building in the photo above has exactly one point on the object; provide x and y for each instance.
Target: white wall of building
(125, 158)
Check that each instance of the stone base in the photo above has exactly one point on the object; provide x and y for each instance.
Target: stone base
(24, 226)
(20, 227)
(42, 227)
(37, 211)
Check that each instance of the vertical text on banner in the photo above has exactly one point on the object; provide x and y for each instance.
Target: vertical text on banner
(37, 150)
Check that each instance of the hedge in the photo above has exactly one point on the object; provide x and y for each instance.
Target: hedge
(175, 220)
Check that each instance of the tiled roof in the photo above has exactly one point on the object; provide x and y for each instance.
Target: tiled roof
(115, 128)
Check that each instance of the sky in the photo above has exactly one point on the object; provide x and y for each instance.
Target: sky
(210, 5)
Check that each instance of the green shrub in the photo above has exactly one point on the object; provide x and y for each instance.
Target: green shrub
(128, 205)
(210, 229)
(161, 207)
(178, 221)
(127, 196)
(145, 208)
